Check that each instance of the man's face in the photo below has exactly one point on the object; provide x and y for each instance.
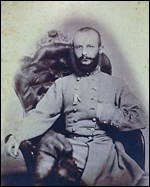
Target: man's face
(86, 47)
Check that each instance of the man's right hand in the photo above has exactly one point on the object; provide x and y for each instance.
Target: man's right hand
(12, 147)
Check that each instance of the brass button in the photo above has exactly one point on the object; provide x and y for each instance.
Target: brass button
(94, 119)
(92, 129)
(75, 120)
(73, 130)
(90, 138)
(111, 124)
(105, 122)
(75, 110)
(32, 153)
(117, 126)
(75, 137)
(78, 78)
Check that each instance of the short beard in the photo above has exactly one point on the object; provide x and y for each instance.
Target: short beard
(86, 68)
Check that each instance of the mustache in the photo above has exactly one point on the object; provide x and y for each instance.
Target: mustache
(85, 58)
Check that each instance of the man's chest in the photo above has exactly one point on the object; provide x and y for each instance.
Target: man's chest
(86, 92)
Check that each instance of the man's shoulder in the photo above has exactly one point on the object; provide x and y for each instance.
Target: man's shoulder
(65, 79)
(68, 77)
(112, 78)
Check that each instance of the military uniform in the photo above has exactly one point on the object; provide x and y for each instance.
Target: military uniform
(88, 102)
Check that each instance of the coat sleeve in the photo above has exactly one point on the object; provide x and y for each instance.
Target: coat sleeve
(44, 115)
(127, 113)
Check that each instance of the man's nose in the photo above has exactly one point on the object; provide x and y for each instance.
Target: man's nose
(84, 51)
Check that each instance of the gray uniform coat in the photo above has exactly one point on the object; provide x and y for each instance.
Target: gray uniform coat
(87, 102)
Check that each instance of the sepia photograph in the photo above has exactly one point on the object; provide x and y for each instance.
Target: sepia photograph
(75, 93)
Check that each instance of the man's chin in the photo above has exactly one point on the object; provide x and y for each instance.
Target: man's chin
(85, 67)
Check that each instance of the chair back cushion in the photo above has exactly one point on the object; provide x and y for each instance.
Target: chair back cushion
(37, 74)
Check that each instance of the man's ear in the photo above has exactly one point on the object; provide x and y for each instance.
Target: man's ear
(101, 49)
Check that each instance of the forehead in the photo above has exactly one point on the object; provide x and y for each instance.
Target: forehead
(86, 37)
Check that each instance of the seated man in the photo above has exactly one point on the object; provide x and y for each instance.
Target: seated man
(92, 103)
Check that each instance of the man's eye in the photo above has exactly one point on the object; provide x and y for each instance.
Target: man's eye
(90, 46)
(78, 47)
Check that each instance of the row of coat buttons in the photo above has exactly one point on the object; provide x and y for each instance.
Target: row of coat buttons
(93, 119)
(91, 129)
(108, 123)
(90, 138)
(93, 79)
(78, 78)
(75, 110)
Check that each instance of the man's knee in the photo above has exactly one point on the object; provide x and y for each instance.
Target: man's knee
(67, 171)
(43, 167)
(48, 159)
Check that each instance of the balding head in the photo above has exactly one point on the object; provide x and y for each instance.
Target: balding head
(88, 31)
